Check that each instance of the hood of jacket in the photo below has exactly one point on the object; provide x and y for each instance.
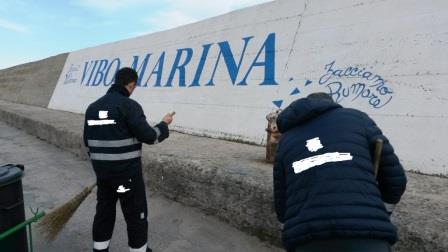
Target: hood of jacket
(303, 110)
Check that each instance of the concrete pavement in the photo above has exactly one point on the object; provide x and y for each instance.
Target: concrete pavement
(52, 176)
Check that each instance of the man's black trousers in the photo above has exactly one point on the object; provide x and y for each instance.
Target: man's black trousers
(131, 193)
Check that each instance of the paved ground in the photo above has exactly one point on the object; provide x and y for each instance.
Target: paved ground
(53, 176)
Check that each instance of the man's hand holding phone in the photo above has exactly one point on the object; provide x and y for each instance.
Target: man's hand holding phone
(168, 118)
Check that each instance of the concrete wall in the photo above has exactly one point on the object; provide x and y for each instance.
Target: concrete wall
(224, 74)
(32, 83)
(385, 57)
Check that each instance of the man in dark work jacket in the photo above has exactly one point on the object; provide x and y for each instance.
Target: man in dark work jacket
(115, 128)
(325, 190)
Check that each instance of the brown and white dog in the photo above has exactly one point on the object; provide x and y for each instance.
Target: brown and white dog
(273, 136)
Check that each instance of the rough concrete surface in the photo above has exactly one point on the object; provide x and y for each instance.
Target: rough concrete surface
(52, 176)
(32, 83)
(229, 180)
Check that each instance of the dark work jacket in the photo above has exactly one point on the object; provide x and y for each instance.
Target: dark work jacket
(334, 199)
(114, 129)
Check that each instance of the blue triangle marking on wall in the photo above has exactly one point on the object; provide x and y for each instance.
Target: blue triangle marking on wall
(308, 82)
(291, 79)
(278, 103)
(295, 91)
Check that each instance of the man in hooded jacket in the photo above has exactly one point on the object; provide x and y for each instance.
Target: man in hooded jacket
(325, 190)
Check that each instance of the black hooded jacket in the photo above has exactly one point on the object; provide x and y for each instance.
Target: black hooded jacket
(320, 198)
(114, 129)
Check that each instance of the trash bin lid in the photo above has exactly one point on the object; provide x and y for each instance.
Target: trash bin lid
(9, 174)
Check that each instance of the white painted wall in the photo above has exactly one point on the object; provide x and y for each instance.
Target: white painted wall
(405, 42)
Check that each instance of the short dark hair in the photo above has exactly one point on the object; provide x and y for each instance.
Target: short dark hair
(320, 96)
(125, 76)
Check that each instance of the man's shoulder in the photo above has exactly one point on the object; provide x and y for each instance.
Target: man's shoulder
(120, 100)
(132, 103)
(130, 106)
(109, 99)
(366, 119)
(93, 105)
(352, 111)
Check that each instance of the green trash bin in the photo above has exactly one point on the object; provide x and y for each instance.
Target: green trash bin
(12, 211)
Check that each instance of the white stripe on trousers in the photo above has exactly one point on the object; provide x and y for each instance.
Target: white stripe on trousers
(389, 207)
(101, 245)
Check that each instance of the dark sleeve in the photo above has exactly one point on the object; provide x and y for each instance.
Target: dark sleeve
(85, 132)
(279, 189)
(84, 135)
(140, 128)
(391, 176)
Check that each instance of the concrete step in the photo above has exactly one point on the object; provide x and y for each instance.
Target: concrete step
(231, 181)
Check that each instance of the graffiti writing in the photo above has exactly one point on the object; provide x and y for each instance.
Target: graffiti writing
(367, 85)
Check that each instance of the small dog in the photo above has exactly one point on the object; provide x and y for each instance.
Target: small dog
(273, 136)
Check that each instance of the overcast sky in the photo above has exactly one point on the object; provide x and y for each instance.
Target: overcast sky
(32, 30)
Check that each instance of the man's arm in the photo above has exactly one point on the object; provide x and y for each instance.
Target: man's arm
(391, 176)
(140, 128)
(84, 135)
(85, 132)
(279, 189)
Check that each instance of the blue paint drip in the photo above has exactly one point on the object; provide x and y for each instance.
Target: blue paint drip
(278, 103)
(295, 91)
